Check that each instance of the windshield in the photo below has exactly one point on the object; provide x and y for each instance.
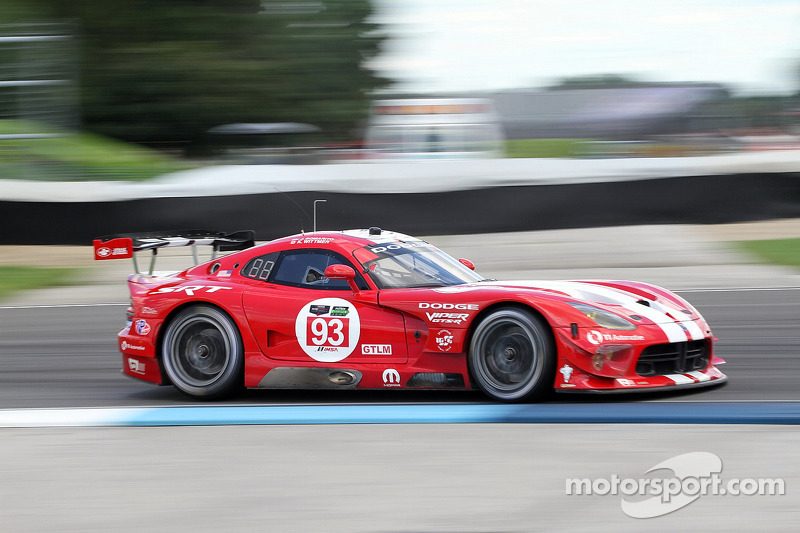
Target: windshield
(412, 264)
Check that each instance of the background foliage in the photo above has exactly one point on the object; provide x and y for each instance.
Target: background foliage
(164, 72)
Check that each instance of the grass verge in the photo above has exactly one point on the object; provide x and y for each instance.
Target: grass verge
(20, 278)
(545, 147)
(75, 156)
(777, 251)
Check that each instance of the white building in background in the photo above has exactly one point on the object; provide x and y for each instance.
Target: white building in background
(434, 128)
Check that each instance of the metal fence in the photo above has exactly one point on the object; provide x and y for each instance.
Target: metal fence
(38, 97)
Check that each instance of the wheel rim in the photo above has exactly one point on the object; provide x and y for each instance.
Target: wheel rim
(510, 356)
(199, 351)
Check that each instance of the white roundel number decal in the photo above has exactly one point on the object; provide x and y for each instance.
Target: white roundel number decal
(328, 329)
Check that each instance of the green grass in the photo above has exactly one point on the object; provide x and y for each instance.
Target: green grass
(778, 251)
(20, 278)
(545, 147)
(77, 156)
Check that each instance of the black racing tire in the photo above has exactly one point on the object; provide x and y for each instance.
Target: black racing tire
(512, 356)
(202, 352)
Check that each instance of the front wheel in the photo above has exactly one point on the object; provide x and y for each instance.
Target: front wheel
(512, 355)
(202, 352)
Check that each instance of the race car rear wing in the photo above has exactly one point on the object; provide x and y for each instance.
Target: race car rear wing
(125, 245)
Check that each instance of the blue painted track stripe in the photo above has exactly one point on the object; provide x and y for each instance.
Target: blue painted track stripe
(603, 413)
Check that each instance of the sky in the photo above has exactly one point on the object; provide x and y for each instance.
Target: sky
(753, 46)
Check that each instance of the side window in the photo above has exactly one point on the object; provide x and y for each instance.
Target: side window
(305, 268)
(260, 267)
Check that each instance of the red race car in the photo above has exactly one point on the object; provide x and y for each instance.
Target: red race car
(372, 309)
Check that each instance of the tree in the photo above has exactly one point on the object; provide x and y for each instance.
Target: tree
(163, 73)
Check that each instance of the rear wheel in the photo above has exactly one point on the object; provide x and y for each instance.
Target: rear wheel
(512, 355)
(202, 352)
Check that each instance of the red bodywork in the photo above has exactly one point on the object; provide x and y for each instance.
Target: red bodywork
(418, 337)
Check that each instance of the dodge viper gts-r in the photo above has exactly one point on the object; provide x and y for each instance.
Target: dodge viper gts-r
(373, 309)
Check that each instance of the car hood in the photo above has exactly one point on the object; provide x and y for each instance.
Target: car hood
(657, 308)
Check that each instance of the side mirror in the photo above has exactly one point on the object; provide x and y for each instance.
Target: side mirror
(467, 263)
(342, 272)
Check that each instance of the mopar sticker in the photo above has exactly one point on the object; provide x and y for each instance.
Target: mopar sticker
(391, 378)
(328, 329)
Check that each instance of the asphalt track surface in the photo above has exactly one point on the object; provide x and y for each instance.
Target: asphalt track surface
(67, 357)
(379, 477)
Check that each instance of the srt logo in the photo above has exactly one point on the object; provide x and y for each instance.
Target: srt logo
(391, 378)
(191, 289)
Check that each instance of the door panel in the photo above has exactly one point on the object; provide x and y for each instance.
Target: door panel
(324, 326)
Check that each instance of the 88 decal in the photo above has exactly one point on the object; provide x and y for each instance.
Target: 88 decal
(328, 329)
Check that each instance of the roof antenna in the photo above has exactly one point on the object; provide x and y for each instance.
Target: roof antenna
(315, 211)
(299, 208)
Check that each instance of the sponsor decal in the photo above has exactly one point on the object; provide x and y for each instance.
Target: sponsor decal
(128, 346)
(566, 373)
(105, 251)
(224, 273)
(340, 310)
(376, 349)
(626, 382)
(142, 327)
(191, 289)
(149, 311)
(444, 340)
(391, 378)
(457, 307)
(330, 338)
(135, 366)
(595, 337)
(393, 247)
(319, 310)
(113, 249)
(447, 318)
(445, 314)
(312, 240)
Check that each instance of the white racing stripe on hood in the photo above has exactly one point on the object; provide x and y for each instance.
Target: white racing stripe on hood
(590, 292)
(694, 330)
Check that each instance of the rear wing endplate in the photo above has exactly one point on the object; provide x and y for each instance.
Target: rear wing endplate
(125, 245)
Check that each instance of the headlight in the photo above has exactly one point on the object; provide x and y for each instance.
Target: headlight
(602, 317)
